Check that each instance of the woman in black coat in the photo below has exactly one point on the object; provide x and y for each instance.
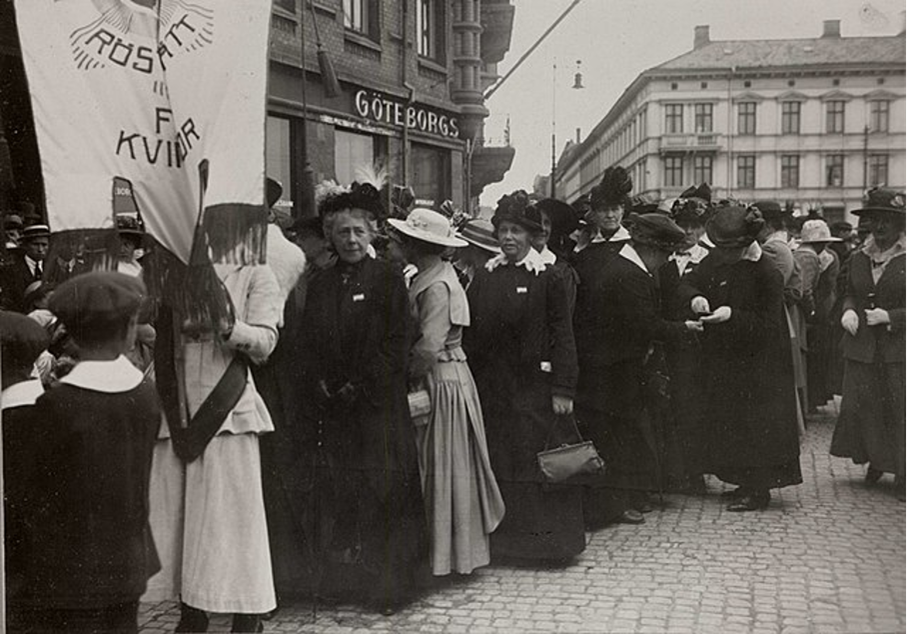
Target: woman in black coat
(750, 418)
(870, 428)
(366, 508)
(521, 350)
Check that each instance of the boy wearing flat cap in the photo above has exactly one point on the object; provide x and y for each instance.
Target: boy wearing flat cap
(93, 552)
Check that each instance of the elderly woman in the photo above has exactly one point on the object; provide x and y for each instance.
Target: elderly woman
(462, 499)
(366, 508)
(870, 428)
(750, 418)
(521, 348)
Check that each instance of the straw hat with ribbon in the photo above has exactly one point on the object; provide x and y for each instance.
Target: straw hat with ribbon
(428, 226)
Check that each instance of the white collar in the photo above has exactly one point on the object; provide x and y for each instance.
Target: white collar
(24, 393)
(778, 236)
(752, 253)
(627, 252)
(706, 242)
(548, 256)
(109, 377)
(619, 236)
(533, 262)
(32, 264)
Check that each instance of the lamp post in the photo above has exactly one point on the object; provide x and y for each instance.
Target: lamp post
(577, 85)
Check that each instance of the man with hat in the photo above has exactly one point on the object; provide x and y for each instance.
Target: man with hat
(12, 229)
(611, 395)
(482, 246)
(92, 549)
(870, 428)
(749, 418)
(24, 267)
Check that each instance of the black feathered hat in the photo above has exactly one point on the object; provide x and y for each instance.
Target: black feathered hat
(563, 217)
(614, 189)
(518, 208)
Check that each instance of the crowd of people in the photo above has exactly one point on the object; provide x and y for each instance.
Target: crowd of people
(367, 416)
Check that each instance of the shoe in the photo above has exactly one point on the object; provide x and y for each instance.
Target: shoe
(645, 507)
(191, 620)
(631, 516)
(752, 502)
(247, 623)
(733, 494)
(872, 476)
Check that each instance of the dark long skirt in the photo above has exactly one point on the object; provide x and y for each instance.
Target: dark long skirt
(870, 427)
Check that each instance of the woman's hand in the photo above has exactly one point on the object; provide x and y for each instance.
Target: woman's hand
(562, 405)
(693, 325)
(877, 317)
(851, 322)
(699, 305)
(721, 314)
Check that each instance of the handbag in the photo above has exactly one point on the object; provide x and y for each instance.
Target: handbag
(419, 406)
(568, 460)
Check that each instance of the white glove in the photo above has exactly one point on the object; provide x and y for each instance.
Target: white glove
(850, 321)
(695, 326)
(721, 314)
(699, 305)
(877, 317)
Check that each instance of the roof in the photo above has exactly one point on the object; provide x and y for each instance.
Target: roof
(780, 53)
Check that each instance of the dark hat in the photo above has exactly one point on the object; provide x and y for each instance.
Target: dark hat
(564, 220)
(130, 225)
(734, 226)
(22, 340)
(311, 225)
(582, 205)
(701, 191)
(35, 291)
(35, 231)
(614, 188)
(517, 208)
(643, 204)
(12, 221)
(655, 230)
(94, 302)
(882, 199)
(841, 226)
(479, 232)
(770, 209)
(273, 191)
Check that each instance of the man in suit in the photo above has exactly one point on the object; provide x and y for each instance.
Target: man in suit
(24, 267)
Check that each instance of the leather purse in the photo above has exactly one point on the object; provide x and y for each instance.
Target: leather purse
(419, 406)
(569, 460)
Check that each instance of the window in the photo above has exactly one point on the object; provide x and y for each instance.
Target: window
(790, 170)
(878, 116)
(746, 171)
(746, 117)
(702, 118)
(286, 5)
(834, 170)
(673, 171)
(674, 118)
(356, 15)
(878, 169)
(430, 29)
(790, 117)
(351, 151)
(277, 157)
(702, 169)
(431, 173)
(834, 117)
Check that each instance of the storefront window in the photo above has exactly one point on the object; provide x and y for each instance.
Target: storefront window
(431, 173)
(351, 151)
(277, 157)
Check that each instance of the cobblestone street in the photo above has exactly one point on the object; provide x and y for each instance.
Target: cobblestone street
(827, 556)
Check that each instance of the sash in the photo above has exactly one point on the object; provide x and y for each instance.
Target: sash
(191, 437)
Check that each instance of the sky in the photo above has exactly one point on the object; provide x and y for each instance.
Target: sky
(615, 40)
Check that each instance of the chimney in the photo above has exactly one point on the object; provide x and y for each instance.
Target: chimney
(578, 140)
(701, 36)
(831, 28)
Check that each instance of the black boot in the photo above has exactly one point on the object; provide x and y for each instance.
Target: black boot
(191, 620)
(247, 623)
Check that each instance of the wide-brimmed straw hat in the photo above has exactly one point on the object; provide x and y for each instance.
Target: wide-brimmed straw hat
(479, 232)
(428, 226)
(884, 200)
(816, 231)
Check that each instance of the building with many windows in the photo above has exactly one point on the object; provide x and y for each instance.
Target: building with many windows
(411, 80)
(809, 122)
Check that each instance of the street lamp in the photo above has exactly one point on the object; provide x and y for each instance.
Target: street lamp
(577, 84)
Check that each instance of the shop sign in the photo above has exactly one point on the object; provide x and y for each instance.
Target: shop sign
(386, 109)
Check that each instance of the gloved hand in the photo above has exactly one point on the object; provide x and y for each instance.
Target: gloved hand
(693, 325)
(877, 317)
(721, 314)
(699, 305)
(850, 322)
(562, 405)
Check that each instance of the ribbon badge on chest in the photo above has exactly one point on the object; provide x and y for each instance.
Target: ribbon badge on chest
(520, 290)
(359, 297)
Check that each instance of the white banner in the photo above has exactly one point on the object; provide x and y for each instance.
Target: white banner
(145, 90)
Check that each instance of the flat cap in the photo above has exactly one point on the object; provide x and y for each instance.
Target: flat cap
(98, 300)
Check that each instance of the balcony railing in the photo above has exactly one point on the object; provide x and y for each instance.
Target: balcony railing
(689, 142)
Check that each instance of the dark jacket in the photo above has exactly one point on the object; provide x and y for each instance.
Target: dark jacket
(92, 542)
(15, 277)
(883, 342)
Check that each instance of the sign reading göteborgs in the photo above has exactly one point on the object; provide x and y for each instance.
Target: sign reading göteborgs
(147, 91)
(384, 108)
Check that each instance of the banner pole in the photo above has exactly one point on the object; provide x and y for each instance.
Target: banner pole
(2, 523)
